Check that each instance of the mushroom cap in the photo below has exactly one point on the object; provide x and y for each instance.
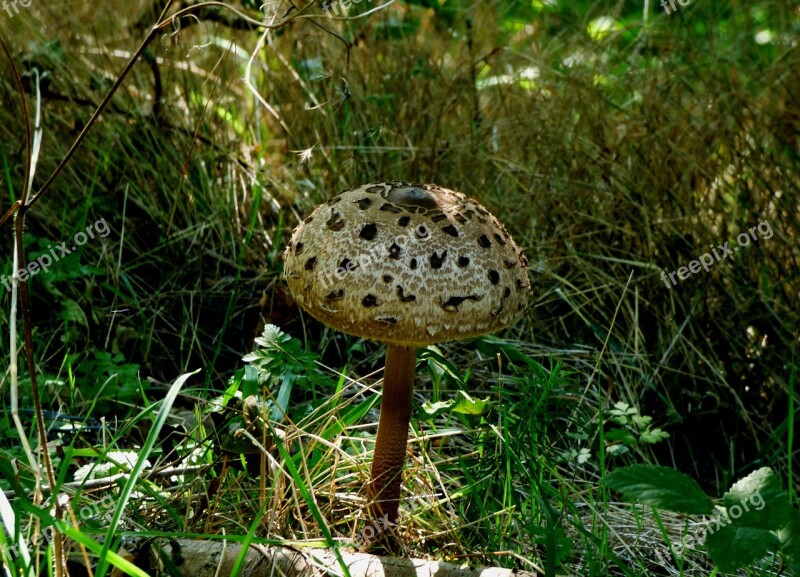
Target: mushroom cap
(407, 264)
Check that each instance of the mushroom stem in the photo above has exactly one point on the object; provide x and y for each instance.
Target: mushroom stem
(390, 446)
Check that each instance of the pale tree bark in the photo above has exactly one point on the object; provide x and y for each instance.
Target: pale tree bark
(216, 559)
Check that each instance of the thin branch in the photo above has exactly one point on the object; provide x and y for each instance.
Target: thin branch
(111, 481)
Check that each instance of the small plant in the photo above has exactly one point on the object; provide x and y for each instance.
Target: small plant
(755, 518)
(278, 365)
(633, 429)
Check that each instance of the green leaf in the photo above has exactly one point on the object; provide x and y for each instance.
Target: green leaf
(432, 409)
(622, 436)
(616, 450)
(622, 413)
(660, 487)
(463, 404)
(278, 412)
(601, 27)
(438, 362)
(466, 405)
(790, 537)
(149, 444)
(653, 436)
(490, 345)
(758, 501)
(73, 312)
(734, 546)
(249, 385)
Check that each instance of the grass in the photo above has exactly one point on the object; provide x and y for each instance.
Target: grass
(609, 158)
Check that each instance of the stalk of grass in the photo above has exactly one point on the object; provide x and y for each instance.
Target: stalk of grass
(297, 478)
(790, 431)
(150, 443)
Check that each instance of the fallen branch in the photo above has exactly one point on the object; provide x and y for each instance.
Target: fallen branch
(208, 559)
(111, 481)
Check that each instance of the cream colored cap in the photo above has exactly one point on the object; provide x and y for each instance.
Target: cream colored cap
(407, 264)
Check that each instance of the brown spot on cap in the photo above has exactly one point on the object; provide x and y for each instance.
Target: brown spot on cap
(335, 295)
(404, 298)
(437, 261)
(335, 222)
(451, 230)
(389, 207)
(347, 265)
(368, 231)
(452, 304)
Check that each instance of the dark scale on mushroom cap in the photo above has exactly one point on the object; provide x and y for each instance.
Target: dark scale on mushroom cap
(402, 285)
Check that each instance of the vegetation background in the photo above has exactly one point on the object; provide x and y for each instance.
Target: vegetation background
(614, 140)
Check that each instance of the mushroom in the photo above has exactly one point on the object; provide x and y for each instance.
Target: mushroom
(409, 265)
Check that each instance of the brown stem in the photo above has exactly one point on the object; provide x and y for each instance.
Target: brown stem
(390, 446)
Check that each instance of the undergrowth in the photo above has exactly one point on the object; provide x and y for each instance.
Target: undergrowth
(613, 144)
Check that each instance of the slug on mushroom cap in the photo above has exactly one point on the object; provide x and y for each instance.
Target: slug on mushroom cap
(407, 264)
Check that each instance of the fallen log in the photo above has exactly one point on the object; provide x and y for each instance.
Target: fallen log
(216, 559)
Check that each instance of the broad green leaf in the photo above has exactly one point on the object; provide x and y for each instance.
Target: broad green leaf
(660, 487)
(732, 546)
(463, 404)
(790, 537)
(758, 501)
(466, 405)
